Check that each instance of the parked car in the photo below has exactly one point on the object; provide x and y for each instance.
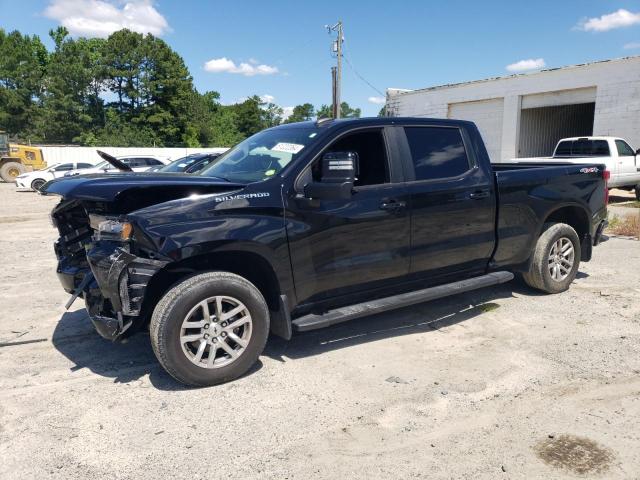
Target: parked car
(190, 164)
(30, 181)
(618, 156)
(136, 162)
(310, 224)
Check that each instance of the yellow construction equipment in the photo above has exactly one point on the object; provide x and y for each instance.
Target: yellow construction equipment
(16, 159)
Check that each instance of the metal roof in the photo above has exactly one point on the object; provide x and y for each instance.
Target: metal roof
(404, 91)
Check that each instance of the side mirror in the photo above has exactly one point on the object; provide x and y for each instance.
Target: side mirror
(637, 152)
(339, 170)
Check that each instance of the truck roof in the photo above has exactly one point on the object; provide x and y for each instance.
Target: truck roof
(590, 138)
(375, 121)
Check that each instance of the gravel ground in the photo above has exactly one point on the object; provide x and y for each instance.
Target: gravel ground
(500, 383)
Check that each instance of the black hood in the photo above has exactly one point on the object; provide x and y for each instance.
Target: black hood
(145, 188)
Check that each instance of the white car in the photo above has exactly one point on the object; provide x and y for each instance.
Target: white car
(34, 180)
(620, 159)
(138, 163)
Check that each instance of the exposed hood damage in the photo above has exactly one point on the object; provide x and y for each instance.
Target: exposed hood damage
(132, 191)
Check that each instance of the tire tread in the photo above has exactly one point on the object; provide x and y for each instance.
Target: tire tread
(161, 316)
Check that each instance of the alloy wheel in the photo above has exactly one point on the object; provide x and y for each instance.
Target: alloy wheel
(216, 332)
(561, 259)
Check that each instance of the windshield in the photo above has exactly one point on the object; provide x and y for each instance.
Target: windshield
(261, 156)
(181, 164)
(103, 165)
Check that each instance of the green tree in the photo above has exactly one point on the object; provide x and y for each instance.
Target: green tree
(301, 113)
(72, 106)
(271, 115)
(23, 60)
(249, 116)
(347, 112)
(225, 128)
(152, 85)
(326, 111)
(119, 132)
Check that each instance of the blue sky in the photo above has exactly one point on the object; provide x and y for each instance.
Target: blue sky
(281, 49)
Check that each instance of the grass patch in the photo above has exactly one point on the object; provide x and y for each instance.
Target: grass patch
(628, 226)
(634, 204)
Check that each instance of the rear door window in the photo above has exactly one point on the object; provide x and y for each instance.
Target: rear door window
(624, 150)
(437, 152)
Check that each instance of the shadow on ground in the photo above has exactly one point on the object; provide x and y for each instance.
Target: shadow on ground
(125, 362)
(76, 339)
(421, 318)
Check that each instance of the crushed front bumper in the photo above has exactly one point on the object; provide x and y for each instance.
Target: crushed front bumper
(114, 296)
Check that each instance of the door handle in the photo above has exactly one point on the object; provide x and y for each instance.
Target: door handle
(392, 204)
(479, 194)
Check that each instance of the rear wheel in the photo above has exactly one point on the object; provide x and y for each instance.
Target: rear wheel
(556, 259)
(210, 328)
(638, 192)
(10, 170)
(37, 184)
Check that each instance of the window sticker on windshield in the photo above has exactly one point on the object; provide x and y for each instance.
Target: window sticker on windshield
(268, 173)
(287, 147)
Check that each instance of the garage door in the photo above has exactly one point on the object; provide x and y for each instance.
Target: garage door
(487, 115)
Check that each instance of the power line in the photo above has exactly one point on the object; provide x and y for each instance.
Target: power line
(346, 59)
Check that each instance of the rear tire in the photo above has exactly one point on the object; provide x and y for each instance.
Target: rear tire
(10, 170)
(556, 259)
(37, 184)
(638, 192)
(198, 338)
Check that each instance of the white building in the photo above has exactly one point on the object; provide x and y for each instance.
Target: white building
(525, 115)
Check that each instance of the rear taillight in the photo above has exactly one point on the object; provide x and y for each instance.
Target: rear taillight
(606, 175)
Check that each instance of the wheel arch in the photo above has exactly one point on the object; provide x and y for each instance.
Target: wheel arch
(573, 215)
(250, 265)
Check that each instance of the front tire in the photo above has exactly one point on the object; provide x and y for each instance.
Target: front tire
(37, 184)
(210, 328)
(556, 259)
(10, 170)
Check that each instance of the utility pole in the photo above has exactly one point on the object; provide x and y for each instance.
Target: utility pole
(337, 49)
(334, 110)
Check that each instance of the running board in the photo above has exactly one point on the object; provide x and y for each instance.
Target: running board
(344, 314)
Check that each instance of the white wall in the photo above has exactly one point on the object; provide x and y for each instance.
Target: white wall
(616, 83)
(53, 155)
(487, 115)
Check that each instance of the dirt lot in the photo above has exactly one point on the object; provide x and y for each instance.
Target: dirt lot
(501, 383)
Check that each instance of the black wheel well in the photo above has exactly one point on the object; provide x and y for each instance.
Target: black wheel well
(249, 265)
(574, 216)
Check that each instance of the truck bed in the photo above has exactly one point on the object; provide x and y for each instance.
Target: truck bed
(528, 193)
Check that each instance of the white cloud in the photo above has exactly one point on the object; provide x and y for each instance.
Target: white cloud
(224, 65)
(524, 65)
(377, 100)
(286, 112)
(266, 98)
(619, 19)
(632, 46)
(100, 18)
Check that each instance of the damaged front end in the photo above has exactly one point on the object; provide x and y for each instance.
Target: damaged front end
(96, 261)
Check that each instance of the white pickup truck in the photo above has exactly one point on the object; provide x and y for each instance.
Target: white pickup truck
(621, 160)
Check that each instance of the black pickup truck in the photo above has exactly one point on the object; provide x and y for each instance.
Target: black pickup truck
(306, 225)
